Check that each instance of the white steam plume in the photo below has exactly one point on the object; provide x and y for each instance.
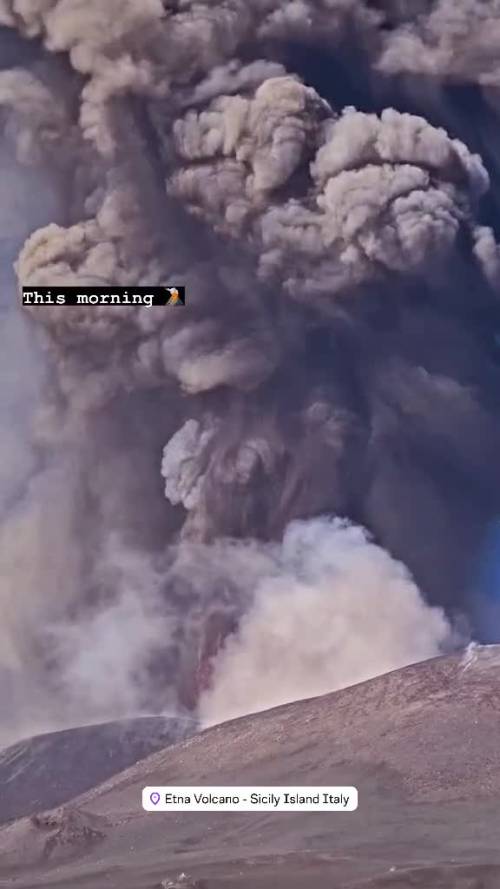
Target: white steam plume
(334, 610)
(103, 654)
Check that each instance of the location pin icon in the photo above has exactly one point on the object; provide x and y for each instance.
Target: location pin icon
(155, 798)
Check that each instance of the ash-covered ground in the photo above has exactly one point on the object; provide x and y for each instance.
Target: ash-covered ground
(420, 744)
(46, 771)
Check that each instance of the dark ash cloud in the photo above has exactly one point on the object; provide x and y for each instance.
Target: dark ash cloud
(337, 357)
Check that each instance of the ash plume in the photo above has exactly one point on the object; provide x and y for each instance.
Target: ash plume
(453, 39)
(336, 364)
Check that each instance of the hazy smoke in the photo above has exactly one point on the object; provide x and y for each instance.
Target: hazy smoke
(337, 357)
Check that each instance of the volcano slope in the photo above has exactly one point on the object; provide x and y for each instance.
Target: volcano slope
(50, 769)
(421, 745)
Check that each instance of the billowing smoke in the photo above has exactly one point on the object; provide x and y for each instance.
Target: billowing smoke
(450, 38)
(334, 610)
(335, 369)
